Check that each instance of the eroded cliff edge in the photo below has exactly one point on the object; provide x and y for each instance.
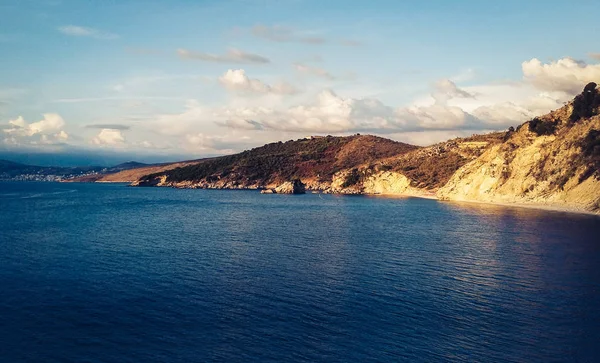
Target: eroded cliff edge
(553, 160)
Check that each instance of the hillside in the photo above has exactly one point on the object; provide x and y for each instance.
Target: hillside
(130, 174)
(314, 160)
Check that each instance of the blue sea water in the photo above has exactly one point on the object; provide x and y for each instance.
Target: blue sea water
(108, 273)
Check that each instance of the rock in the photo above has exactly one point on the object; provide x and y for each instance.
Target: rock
(159, 181)
(267, 191)
(292, 187)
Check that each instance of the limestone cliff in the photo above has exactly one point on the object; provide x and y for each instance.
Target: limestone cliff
(549, 161)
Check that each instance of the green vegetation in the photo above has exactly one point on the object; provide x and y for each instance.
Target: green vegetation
(540, 127)
(352, 178)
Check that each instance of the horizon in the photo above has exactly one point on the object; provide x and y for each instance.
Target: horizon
(97, 82)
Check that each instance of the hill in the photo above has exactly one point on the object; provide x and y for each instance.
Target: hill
(314, 160)
(549, 161)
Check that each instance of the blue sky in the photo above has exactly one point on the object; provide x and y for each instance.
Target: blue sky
(193, 78)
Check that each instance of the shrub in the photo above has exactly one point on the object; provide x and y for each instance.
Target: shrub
(540, 127)
(586, 104)
(351, 179)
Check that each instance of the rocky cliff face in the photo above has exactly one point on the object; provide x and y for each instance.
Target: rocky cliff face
(551, 161)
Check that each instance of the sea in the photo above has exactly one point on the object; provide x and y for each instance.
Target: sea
(111, 273)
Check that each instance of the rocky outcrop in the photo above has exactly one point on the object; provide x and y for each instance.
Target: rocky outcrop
(291, 187)
(159, 181)
(387, 182)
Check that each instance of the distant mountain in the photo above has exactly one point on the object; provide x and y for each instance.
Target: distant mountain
(10, 170)
(126, 166)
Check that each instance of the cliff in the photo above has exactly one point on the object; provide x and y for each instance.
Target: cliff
(552, 161)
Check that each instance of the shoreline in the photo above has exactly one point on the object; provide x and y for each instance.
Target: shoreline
(554, 208)
(547, 207)
(537, 206)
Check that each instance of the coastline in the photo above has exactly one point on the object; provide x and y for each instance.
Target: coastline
(538, 206)
(547, 207)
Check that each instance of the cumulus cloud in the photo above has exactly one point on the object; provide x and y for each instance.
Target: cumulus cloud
(48, 130)
(237, 80)
(506, 113)
(50, 124)
(595, 56)
(332, 113)
(565, 75)
(80, 31)
(109, 137)
(232, 56)
(313, 71)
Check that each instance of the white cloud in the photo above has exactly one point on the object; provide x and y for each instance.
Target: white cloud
(51, 123)
(237, 80)
(565, 75)
(80, 31)
(232, 56)
(62, 135)
(595, 56)
(47, 131)
(109, 137)
(506, 113)
(332, 113)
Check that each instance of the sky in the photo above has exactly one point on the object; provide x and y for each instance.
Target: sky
(169, 80)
